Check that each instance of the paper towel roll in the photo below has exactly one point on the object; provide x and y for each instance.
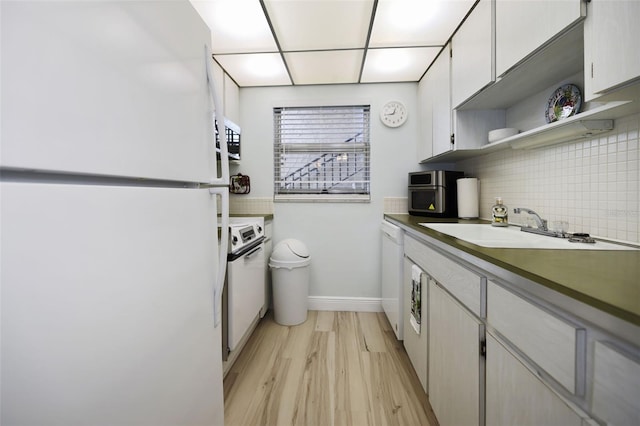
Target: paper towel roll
(468, 198)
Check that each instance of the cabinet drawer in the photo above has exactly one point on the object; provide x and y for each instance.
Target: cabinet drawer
(548, 341)
(616, 386)
(463, 284)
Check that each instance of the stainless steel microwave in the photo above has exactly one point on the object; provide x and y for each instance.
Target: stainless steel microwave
(434, 193)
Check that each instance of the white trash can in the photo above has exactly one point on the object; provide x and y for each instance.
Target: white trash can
(289, 263)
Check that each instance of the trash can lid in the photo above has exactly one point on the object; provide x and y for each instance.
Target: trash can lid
(290, 250)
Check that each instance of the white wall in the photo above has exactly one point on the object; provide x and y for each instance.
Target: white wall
(343, 238)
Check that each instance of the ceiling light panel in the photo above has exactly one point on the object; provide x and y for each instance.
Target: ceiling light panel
(417, 22)
(395, 65)
(237, 26)
(257, 69)
(320, 24)
(325, 67)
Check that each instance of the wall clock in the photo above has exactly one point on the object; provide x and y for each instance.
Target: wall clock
(393, 114)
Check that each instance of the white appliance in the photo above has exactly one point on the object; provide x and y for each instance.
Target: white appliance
(392, 274)
(244, 288)
(111, 274)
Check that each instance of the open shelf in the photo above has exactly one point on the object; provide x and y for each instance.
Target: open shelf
(585, 125)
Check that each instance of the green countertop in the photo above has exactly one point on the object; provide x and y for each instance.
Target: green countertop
(266, 216)
(606, 280)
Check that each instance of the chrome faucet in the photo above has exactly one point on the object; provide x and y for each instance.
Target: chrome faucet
(541, 225)
(540, 222)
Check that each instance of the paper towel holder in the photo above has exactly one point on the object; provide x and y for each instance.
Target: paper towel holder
(468, 189)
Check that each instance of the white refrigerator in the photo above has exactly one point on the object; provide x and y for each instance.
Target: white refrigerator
(111, 271)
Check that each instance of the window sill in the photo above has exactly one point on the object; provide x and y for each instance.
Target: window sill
(322, 198)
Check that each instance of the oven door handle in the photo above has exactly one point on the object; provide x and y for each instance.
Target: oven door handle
(257, 249)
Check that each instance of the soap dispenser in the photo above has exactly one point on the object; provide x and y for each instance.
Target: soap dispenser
(499, 213)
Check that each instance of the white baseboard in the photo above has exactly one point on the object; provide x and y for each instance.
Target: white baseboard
(348, 304)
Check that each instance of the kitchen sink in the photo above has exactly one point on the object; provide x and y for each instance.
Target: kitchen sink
(485, 235)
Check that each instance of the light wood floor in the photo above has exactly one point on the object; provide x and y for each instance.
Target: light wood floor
(338, 368)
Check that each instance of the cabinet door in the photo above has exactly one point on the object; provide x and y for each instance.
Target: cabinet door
(516, 396)
(231, 100)
(522, 26)
(441, 112)
(454, 360)
(472, 60)
(612, 43)
(425, 111)
(415, 343)
(616, 386)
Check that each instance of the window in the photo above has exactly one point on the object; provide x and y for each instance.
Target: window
(321, 153)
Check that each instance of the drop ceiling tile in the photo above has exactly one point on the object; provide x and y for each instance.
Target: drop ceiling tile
(325, 67)
(257, 69)
(400, 64)
(417, 22)
(320, 24)
(237, 26)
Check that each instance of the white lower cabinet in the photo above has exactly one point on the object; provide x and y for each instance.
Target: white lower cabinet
(517, 396)
(416, 341)
(492, 352)
(552, 343)
(454, 360)
(616, 386)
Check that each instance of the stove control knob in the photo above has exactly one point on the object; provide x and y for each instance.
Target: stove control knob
(259, 228)
(234, 240)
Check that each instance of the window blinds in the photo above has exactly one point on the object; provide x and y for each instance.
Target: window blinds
(321, 153)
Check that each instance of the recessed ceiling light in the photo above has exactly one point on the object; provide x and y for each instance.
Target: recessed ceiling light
(410, 14)
(255, 69)
(399, 64)
(388, 60)
(265, 64)
(237, 26)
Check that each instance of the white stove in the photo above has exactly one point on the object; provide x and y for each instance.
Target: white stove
(244, 292)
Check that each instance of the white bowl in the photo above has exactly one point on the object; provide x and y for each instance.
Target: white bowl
(497, 134)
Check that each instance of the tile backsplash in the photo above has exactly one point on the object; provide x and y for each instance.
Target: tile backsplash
(240, 204)
(593, 184)
(396, 205)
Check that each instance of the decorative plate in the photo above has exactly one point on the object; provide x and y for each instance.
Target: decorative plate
(565, 102)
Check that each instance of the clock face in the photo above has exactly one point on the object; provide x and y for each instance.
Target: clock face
(393, 114)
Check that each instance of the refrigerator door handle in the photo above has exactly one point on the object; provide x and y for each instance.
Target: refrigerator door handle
(219, 117)
(222, 253)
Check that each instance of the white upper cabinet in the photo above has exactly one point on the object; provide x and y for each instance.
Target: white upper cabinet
(425, 111)
(472, 61)
(441, 101)
(612, 43)
(231, 100)
(523, 26)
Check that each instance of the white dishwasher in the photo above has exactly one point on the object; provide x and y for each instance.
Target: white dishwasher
(392, 276)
